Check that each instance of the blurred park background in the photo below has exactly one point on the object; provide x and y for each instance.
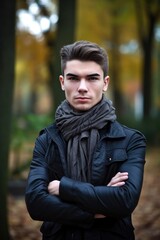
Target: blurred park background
(32, 33)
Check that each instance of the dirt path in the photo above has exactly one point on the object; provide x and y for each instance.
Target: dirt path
(146, 217)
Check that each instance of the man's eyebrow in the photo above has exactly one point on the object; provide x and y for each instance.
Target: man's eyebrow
(71, 75)
(93, 75)
(88, 75)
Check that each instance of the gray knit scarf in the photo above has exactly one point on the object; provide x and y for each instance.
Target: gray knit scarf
(80, 131)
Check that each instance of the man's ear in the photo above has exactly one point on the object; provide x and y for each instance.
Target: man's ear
(61, 79)
(106, 83)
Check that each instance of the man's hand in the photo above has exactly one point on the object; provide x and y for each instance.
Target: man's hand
(118, 180)
(53, 187)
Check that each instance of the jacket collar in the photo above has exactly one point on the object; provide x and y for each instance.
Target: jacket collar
(114, 130)
(54, 133)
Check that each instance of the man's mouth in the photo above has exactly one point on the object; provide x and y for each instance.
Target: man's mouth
(82, 99)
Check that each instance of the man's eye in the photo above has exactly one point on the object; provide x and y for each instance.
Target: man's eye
(72, 78)
(93, 78)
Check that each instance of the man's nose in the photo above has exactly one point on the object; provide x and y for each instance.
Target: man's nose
(82, 86)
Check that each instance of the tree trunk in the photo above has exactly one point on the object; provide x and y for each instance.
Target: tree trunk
(147, 81)
(146, 38)
(147, 85)
(65, 35)
(7, 55)
(115, 63)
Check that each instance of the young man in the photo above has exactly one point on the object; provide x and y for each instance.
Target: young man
(87, 169)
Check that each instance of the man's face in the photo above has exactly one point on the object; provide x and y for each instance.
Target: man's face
(83, 83)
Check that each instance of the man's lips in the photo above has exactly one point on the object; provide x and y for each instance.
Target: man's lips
(82, 99)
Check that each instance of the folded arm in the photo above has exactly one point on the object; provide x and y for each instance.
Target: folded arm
(40, 203)
(118, 180)
(117, 201)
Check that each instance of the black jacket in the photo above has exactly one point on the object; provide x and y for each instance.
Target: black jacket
(71, 215)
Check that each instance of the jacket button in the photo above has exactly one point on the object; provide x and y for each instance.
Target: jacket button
(110, 159)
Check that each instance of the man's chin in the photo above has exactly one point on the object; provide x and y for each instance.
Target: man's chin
(82, 107)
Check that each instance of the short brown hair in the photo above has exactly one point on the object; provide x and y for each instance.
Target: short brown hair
(84, 51)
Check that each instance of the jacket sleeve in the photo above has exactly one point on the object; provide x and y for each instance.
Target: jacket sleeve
(40, 204)
(111, 201)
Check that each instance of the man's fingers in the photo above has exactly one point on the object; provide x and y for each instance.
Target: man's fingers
(119, 184)
(121, 174)
(119, 179)
(99, 215)
(53, 187)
